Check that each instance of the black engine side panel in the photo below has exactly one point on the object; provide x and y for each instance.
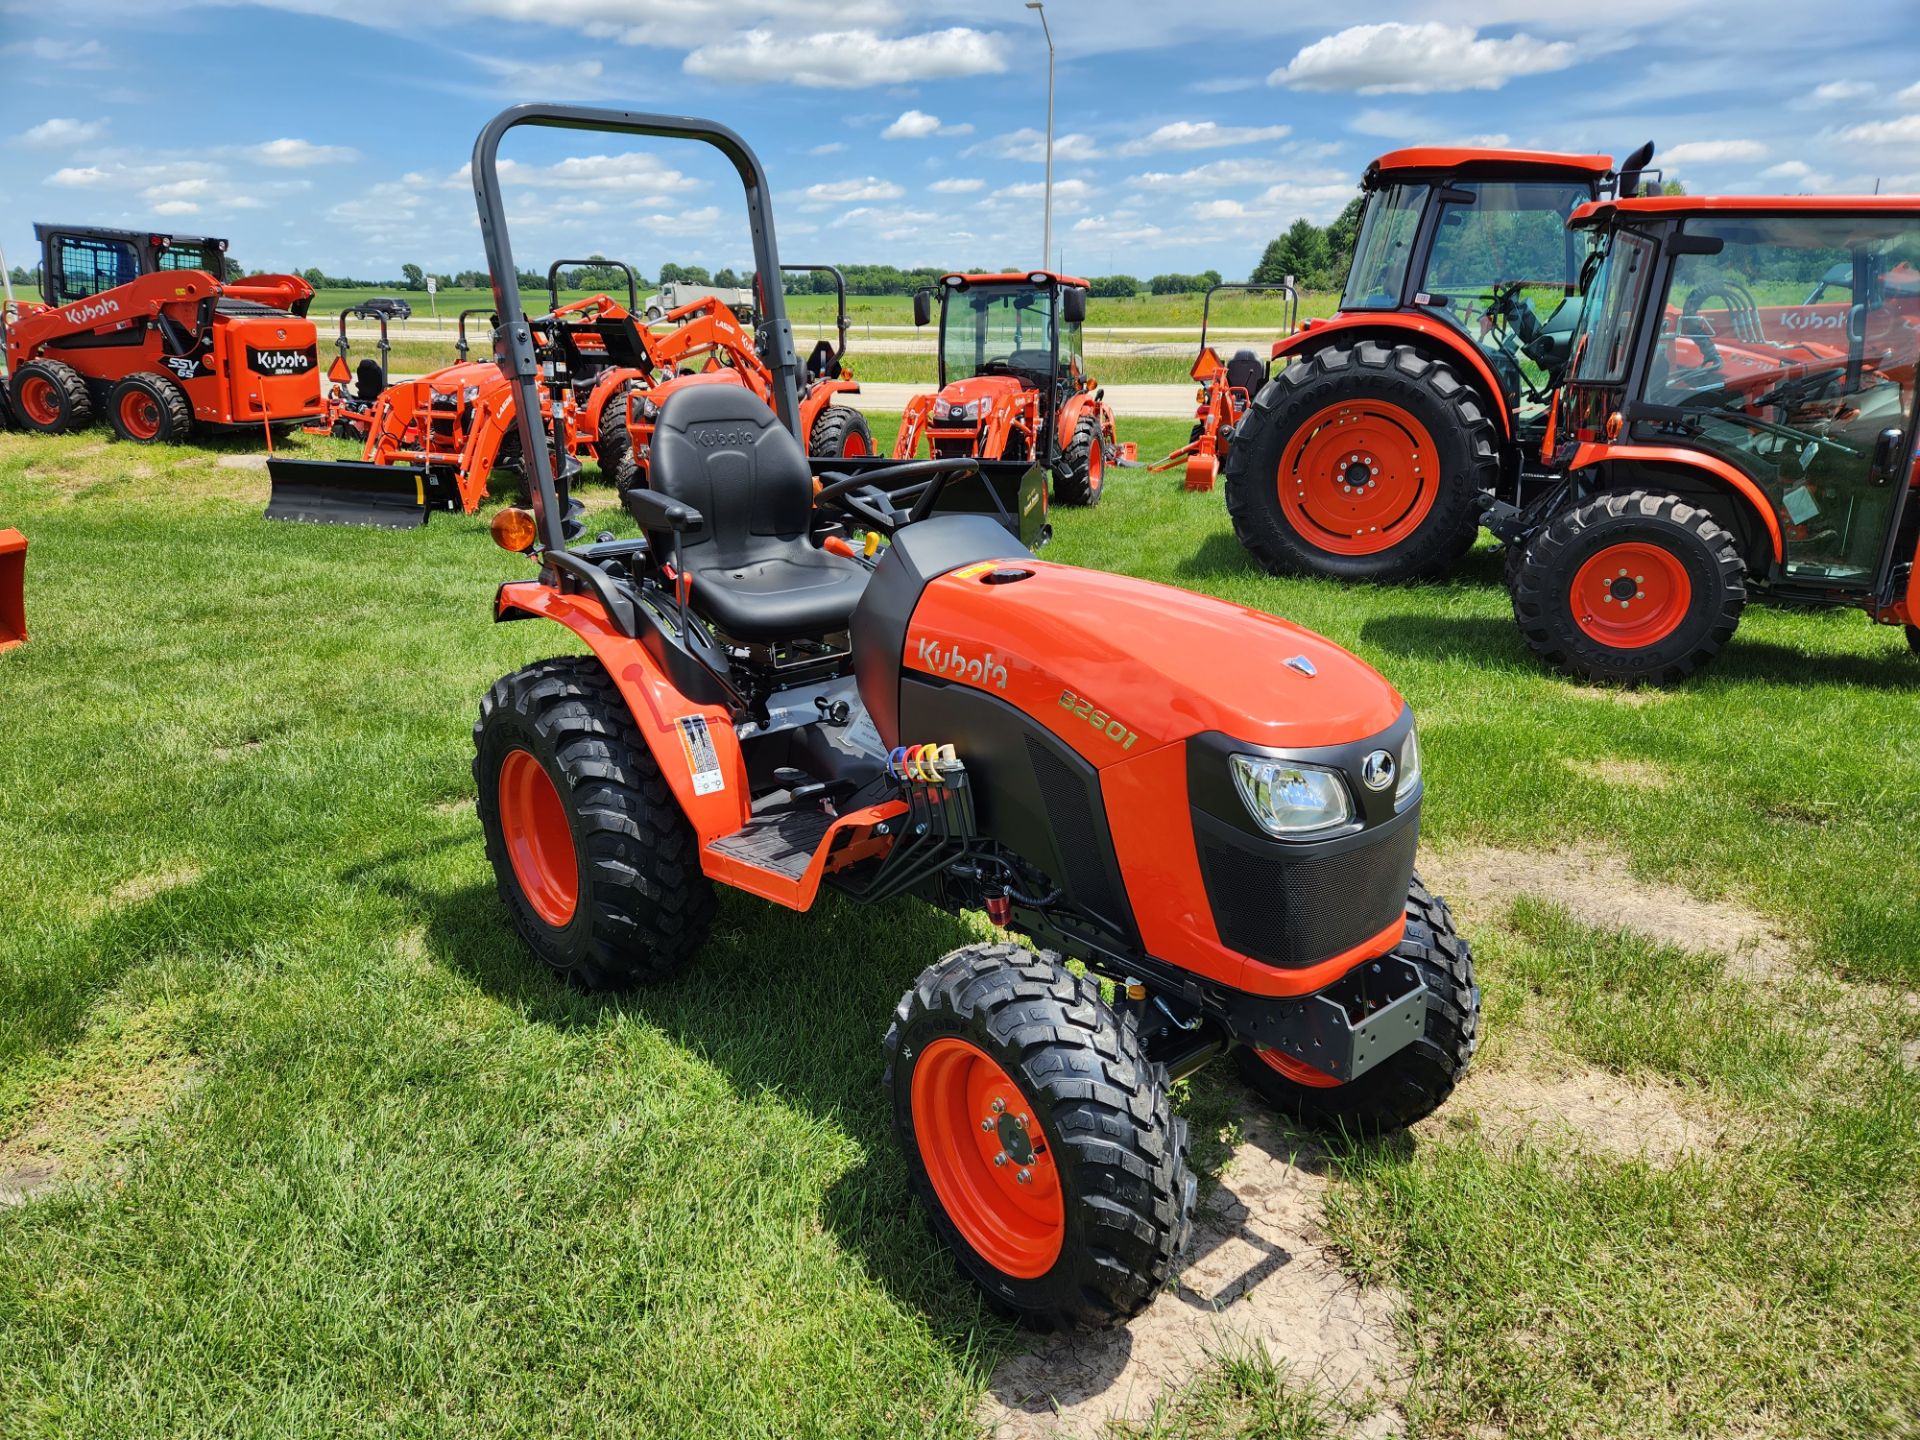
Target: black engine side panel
(918, 554)
(1031, 792)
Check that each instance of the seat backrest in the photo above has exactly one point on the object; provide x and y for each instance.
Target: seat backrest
(1246, 372)
(719, 449)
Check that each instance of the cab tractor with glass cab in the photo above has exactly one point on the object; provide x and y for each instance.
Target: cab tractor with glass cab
(1213, 810)
(146, 331)
(1227, 388)
(1013, 382)
(1737, 420)
(1369, 454)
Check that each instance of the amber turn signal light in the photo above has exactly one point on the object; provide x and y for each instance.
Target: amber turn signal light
(513, 529)
(1615, 422)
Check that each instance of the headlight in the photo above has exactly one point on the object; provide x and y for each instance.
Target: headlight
(1409, 766)
(470, 394)
(1288, 799)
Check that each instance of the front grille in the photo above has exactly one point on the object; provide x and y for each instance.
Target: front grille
(1297, 911)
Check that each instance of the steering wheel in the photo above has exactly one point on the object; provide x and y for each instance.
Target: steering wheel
(858, 496)
(1690, 310)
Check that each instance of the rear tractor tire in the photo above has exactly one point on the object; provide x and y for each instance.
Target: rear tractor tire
(51, 397)
(1082, 476)
(593, 857)
(150, 410)
(1039, 1137)
(1359, 462)
(612, 441)
(1630, 588)
(1410, 1084)
(840, 430)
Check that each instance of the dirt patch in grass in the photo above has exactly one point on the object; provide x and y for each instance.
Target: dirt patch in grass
(454, 807)
(1590, 1110)
(1623, 774)
(1632, 699)
(145, 887)
(242, 462)
(1597, 888)
(117, 1080)
(1260, 1271)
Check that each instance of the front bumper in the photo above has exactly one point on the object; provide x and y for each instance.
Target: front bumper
(1370, 1014)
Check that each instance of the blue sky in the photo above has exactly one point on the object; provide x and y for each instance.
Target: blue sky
(315, 132)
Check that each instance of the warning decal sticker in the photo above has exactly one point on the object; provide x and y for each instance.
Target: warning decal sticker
(703, 762)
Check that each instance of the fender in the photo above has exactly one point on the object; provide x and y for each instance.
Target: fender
(1393, 326)
(657, 707)
(597, 400)
(1594, 453)
(820, 395)
(1075, 410)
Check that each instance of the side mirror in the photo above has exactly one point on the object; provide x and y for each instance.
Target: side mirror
(923, 307)
(1073, 305)
(653, 511)
(1886, 453)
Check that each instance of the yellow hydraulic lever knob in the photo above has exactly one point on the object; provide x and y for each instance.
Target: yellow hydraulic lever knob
(871, 543)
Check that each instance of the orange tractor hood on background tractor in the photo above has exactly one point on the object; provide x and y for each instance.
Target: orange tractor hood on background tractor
(977, 387)
(1161, 664)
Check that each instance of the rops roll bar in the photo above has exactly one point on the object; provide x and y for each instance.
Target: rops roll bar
(553, 281)
(460, 344)
(1291, 309)
(341, 345)
(518, 359)
(840, 299)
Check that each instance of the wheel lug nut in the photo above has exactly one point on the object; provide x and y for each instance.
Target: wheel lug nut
(1025, 1176)
(999, 1106)
(986, 1125)
(1001, 1158)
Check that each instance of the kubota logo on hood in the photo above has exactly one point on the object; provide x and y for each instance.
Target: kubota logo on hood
(949, 660)
(95, 310)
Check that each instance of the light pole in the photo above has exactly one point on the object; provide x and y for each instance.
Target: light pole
(1046, 232)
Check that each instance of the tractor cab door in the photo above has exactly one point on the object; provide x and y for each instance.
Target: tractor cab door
(1503, 267)
(78, 266)
(1803, 379)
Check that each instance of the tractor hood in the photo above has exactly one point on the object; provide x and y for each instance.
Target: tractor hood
(997, 388)
(1153, 663)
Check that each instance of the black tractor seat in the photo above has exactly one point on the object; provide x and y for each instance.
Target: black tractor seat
(756, 573)
(1246, 371)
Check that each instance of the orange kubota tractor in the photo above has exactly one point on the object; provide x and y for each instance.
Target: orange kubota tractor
(1738, 419)
(145, 329)
(1227, 387)
(1014, 383)
(1370, 454)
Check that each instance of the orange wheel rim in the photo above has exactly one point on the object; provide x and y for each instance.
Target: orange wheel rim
(40, 400)
(1096, 468)
(140, 414)
(977, 1137)
(1631, 595)
(1358, 478)
(854, 444)
(539, 840)
(1297, 1071)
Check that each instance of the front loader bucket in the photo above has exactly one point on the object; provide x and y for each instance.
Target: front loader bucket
(13, 589)
(351, 492)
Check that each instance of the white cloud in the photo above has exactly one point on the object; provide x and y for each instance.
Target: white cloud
(1202, 135)
(1214, 175)
(832, 147)
(958, 185)
(76, 54)
(1710, 152)
(1910, 96)
(912, 125)
(79, 177)
(299, 154)
(178, 189)
(55, 133)
(1031, 144)
(1787, 170)
(1902, 130)
(1390, 124)
(1835, 91)
(176, 207)
(1067, 194)
(847, 59)
(839, 192)
(1423, 59)
(1118, 229)
(637, 172)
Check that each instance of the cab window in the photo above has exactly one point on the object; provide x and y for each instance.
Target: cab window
(87, 265)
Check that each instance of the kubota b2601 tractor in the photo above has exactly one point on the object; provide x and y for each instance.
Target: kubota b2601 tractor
(1215, 811)
(146, 330)
(1013, 382)
(1738, 417)
(1368, 455)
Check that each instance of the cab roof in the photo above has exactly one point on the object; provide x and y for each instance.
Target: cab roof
(1052, 277)
(137, 237)
(1460, 158)
(1601, 212)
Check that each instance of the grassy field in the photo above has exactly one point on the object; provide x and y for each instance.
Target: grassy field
(318, 1152)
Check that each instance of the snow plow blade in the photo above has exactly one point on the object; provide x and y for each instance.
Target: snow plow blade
(352, 492)
(13, 589)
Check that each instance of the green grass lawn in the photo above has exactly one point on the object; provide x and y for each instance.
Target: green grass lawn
(326, 1155)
